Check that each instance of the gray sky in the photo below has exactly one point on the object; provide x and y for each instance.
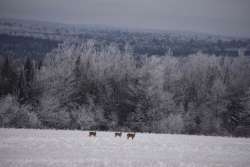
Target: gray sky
(227, 17)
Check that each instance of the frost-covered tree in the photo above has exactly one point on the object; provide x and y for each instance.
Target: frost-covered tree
(82, 85)
(8, 110)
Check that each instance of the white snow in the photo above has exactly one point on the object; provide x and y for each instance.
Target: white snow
(65, 148)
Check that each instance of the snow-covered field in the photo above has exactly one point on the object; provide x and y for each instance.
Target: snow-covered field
(60, 148)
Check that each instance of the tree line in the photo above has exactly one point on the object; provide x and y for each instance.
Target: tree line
(77, 86)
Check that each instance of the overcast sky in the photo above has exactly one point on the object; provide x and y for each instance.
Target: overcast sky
(227, 17)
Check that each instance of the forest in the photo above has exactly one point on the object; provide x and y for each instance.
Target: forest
(77, 86)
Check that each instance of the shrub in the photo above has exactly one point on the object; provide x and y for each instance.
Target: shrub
(8, 110)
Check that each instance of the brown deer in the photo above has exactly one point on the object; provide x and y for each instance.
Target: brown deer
(118, 134)
(131, 135)
(93, 133)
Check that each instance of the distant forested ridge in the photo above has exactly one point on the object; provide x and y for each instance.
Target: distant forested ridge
(77, 86)
(21, 46)
(33, 38)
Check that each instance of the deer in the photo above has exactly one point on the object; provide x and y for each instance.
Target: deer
(130, 135)
(118, 134)
(92, 133)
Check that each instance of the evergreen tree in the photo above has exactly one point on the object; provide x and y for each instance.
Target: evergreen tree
(8, 78)
(26, 91)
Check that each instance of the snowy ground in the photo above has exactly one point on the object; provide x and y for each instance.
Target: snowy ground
(59, 148)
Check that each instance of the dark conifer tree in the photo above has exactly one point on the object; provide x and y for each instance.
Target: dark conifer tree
(8, 78)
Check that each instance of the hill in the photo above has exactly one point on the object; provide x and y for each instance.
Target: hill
(143, 42)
